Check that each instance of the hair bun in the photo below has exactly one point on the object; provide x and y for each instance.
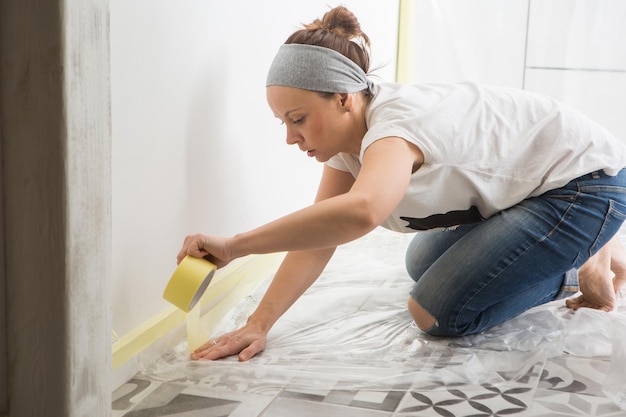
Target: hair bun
(340, 30)
(341, 22)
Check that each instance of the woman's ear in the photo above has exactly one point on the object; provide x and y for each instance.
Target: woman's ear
(346, 101)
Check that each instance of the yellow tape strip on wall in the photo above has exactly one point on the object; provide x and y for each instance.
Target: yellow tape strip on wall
(244, 280)
(228, 286)
(406, 63)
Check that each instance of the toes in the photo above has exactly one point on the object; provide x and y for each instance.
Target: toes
(575, 302)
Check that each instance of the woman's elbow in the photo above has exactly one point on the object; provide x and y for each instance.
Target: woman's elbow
(367, 214)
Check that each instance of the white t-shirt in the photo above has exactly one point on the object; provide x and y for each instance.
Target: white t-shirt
(485, 149)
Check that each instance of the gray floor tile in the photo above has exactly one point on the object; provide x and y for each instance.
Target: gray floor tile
(290, 407)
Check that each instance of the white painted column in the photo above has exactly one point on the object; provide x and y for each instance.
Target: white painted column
(55, 127)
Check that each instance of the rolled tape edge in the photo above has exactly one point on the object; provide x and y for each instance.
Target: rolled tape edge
(201, 289)
(189, 282)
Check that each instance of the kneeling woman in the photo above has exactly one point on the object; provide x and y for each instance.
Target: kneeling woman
(513, 195)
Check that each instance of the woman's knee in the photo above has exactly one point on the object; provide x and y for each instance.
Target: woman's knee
(444, 322)
(426, 322)
(422, 318)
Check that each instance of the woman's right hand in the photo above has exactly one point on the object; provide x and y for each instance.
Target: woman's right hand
(245, 342)
(214, 249)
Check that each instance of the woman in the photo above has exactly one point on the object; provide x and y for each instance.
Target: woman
(514, 195)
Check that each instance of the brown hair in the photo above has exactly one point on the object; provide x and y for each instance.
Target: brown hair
(340, 30)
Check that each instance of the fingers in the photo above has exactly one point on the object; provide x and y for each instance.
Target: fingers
(211, 350)
(254, 348)
(229, 345)
(183, 250)
(192, 245)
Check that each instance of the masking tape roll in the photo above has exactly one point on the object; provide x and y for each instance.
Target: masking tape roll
(188, 282)
(229, 286)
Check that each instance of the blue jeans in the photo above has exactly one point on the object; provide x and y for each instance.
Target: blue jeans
(476, 276)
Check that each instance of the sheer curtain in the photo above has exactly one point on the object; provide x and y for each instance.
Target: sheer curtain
(573, 50)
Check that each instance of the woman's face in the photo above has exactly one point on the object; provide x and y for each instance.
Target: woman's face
(320, 126)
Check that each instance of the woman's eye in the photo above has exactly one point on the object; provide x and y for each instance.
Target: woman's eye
(293, 121)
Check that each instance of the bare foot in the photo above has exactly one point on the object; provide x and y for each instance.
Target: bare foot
(600, 278)
(618, 264)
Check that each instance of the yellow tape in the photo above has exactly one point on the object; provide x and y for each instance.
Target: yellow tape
(225, 294)
(229, 286)
(405, 64)
(131, 344)
(195, 334)
(188, 282)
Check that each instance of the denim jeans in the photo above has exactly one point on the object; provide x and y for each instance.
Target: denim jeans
(475, 276)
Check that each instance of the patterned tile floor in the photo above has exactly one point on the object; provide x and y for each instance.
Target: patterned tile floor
(333, 355)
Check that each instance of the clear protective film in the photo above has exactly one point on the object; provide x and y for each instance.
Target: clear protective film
(352, 330)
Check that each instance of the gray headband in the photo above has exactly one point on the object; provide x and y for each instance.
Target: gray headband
(316, 68)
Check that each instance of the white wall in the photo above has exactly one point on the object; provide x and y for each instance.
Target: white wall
(572, 50)
(479, 40)
(576, 52)
(195, 147)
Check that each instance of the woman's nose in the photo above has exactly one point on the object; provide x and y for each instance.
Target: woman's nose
(292, 137)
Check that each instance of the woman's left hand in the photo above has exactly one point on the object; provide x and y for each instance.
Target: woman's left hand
(244, 342)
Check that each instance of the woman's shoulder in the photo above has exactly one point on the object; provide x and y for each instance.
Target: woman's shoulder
(419, 96)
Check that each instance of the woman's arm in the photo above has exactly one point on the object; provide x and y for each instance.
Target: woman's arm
(344, 210)
(296, 273)
(381, 184)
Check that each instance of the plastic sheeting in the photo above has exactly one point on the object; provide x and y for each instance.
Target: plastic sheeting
(352, 330)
